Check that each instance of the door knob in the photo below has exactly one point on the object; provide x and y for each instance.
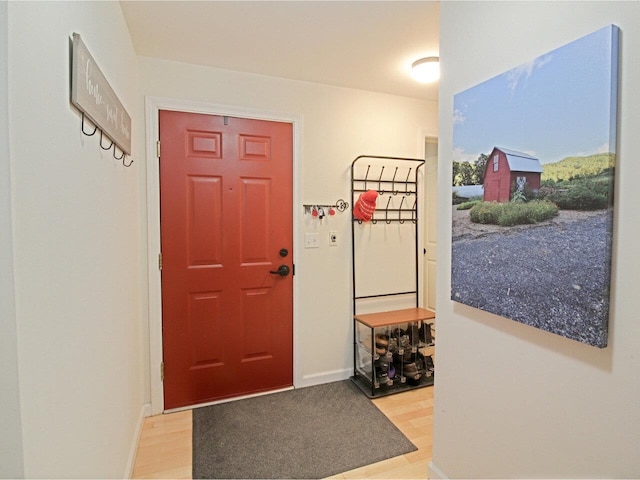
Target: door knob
(283, 271)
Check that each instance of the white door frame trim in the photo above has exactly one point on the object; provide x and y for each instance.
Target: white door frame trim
(153, 105)
(424, 134)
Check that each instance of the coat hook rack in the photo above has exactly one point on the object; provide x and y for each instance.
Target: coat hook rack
(390, 176)
(123, 155)
(384, 183)
(105, 112)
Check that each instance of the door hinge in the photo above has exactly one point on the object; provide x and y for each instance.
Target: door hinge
(293, 269)
(160, 261)
(162, 371)
(158, 148)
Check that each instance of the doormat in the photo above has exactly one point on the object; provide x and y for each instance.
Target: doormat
(311, 432)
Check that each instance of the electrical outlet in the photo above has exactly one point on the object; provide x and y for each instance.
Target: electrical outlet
(311, 240)
(333, 239)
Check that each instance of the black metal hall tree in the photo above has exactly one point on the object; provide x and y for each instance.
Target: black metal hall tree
(393, 350)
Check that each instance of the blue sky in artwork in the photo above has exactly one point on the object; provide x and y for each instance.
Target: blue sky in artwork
(558, 105)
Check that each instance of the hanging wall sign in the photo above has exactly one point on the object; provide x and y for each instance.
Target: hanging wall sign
(92, 94)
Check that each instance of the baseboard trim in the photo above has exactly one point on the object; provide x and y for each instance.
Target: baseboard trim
(145, 411)
(325, 377)
(435, 473)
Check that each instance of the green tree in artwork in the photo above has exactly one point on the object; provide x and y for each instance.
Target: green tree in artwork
(466, 174)
(456, 170)
(480, 164)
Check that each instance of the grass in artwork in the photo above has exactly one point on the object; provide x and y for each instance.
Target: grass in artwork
(468, 205)
(513, 213)
(582, 193)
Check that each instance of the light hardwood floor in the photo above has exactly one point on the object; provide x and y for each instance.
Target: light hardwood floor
(164, 450)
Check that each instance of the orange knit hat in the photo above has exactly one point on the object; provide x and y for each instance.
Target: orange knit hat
(365, 205)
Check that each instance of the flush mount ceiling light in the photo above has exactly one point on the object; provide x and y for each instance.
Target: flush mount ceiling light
(426, 70)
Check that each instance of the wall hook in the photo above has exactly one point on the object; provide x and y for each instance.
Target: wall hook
(366, 175)
(393, 182)
(406, 182)
(386, 211)
(102, 146)
(122, 157)
(95, 128)
(380, 191)
(84, 130)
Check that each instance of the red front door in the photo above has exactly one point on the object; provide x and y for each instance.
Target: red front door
(226, 226)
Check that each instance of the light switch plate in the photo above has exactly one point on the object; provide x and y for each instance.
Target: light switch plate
(311, 240)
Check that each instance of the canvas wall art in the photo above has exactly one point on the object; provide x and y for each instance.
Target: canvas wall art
(533, 170)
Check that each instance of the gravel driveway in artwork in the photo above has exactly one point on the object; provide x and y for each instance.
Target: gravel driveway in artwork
(553, 275)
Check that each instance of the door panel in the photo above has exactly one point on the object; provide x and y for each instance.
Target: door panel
(206, 330)
(254, 148)
(256, 200)
(226, 211)
(204, 198)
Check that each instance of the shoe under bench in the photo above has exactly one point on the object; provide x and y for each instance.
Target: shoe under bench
(386, 344)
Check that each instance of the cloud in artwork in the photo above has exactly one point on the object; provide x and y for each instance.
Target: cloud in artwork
(515, 76)
(459, 155)
(458, 117)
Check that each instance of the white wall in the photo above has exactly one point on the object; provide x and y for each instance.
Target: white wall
(338, 124)
(513, 401)
(11, 463)
(76, 225)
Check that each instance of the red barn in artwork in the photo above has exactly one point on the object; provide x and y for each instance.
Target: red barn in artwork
(507, 169)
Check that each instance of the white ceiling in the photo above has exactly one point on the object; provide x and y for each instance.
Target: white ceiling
(359, 44)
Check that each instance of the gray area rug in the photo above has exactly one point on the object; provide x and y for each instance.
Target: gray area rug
(312, 432)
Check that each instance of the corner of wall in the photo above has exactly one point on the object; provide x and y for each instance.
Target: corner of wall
(145, 411)
(11, 446)
(434, 473)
